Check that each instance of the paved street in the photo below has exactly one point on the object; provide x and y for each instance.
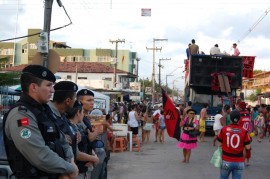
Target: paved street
(163, 161)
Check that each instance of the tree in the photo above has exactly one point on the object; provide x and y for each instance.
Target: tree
(255, 72)
(8, 79)
(253, 96)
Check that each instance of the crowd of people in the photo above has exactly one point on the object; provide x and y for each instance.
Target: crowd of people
(56, 139)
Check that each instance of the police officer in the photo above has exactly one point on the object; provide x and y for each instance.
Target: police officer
(63, 99)
(234, 139)
(86, 97)
(34, 144)
(63, 102)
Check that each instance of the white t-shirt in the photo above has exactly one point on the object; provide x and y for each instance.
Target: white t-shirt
(217, 123)
(132, 119)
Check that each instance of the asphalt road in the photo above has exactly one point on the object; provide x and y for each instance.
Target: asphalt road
(163, 161)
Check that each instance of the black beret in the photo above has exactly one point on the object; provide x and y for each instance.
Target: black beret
(39, 72)
(85, 92)
(66, 86)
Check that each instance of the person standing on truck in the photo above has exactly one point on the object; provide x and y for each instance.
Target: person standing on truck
(188, 52)
(203, 117)
(236, 51)
(193, 48)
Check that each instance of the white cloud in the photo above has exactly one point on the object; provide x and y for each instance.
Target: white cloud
(95, 22)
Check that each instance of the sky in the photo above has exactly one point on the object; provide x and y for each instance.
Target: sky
(95, 22)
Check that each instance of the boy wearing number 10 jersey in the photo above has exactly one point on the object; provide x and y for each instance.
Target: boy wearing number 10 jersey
(234, 139)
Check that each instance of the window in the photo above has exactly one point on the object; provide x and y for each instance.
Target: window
(68, 77)
(107, 79)
(33, 46)
(24, 48)
(82, 78)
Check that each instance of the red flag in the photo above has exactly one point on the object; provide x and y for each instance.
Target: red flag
(123, 58)
(171, 116)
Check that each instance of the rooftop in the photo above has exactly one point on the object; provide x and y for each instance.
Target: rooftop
(82, 67)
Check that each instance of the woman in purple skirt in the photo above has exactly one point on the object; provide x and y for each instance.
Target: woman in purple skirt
(186, 142)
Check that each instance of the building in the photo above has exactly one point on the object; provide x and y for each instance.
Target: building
(6, 54)
(259, 81)
(26, 48)
(93, 75)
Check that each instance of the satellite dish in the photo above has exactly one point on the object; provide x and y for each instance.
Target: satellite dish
(53, 60)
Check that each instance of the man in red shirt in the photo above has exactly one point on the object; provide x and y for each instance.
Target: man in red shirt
(245, 122)
(233, 139)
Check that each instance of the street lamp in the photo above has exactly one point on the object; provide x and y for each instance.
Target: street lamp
(167, 82)
(153, 72)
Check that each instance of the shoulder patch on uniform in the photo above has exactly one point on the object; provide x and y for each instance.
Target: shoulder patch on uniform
(25, 133)
(23, 122)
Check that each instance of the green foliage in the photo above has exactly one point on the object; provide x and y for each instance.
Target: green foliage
(4, 60)
(253, 96)
(9, 79)
(257, 71)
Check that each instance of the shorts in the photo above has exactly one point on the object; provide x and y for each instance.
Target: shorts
(162, 128)
(202, 125)
(135, 130)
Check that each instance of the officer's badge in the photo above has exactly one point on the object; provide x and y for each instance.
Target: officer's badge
(25, 133)
(44, 74)
(85, 91)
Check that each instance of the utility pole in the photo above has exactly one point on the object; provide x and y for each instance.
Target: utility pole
(43, 42)
(167, 82)
(159, 73)
(116, 50)
(137, 68)
(154, 49)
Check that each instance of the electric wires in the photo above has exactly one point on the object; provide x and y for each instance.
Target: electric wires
(254, 25)
(30, 35)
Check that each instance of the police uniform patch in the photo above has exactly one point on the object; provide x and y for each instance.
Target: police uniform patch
(25, 133)
(23, 122)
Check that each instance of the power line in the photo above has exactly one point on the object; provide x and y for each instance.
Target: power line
(70, 22)
(254, 25)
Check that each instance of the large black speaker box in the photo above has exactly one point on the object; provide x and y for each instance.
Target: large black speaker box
(202, 66)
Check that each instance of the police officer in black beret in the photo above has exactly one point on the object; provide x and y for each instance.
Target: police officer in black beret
(86, 97)
(63, 101)
(34, 144)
